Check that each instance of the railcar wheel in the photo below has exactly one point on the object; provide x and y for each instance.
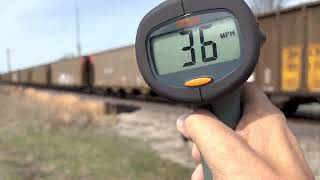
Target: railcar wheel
(122, 93)
(290, 108)
(108, 91)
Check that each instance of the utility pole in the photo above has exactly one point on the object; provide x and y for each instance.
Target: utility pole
(8, 53)
(78, 28)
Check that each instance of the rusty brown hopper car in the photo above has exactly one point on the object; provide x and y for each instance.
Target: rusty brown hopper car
(14, 77)
(25, 76)
(40, 75)
(67, 73)
(268, 68)
(117, 69)
(6, 77)
(313, 49)
(290, 60)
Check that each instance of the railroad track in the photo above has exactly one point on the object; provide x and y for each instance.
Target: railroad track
(307, 111)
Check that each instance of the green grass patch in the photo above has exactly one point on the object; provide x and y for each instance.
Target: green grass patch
(62, 154)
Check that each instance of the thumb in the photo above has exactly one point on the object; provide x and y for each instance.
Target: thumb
(223, 149)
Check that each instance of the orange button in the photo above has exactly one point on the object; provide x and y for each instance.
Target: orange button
(198, 82)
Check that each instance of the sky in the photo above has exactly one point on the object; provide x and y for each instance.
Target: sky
(42, 31)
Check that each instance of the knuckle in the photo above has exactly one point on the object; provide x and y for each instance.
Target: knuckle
(265, 109)
(243, 133)
(280, 120)
(191, 120)
(196, 123)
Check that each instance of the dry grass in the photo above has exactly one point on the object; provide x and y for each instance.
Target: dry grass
(38, 142)
(65, 109)
(69, 109)
(68, 105)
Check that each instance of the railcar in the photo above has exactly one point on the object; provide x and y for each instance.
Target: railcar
(117, 71)
(289, 68)
(25, 76)
(40, 75)
(6, 77)
(14, 77)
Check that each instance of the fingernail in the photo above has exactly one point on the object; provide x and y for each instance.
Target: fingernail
(181, 120)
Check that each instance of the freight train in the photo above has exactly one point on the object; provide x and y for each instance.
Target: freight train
(288, 70)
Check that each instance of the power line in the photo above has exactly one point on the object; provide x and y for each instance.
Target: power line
(78, 29)
(8, 53)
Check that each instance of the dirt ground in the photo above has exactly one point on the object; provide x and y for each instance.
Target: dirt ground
(308, 135)
(154, 124)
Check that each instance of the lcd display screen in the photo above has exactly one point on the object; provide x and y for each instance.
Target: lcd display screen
(196, 46)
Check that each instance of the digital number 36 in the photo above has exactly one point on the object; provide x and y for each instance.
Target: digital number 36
(203, 46)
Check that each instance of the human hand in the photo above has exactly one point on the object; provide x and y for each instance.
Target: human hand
(261, 147)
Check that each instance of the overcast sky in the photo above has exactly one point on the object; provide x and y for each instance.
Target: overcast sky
(40, 31)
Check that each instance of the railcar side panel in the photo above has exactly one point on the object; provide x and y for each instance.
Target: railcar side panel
(39, 75)
(67, 73)
(6, 77)
(25, 76)
(292, 46)
(118, 69)
(313, 55)
(268, 68)
(14, 77)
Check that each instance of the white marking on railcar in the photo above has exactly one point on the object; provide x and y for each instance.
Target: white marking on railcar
(139, 81)
(14, 77)
(65, 79)
(124, 79)
(268, 88)
(108, 70)
(267, 76)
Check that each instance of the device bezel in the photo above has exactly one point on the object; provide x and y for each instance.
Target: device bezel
(169, 10)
